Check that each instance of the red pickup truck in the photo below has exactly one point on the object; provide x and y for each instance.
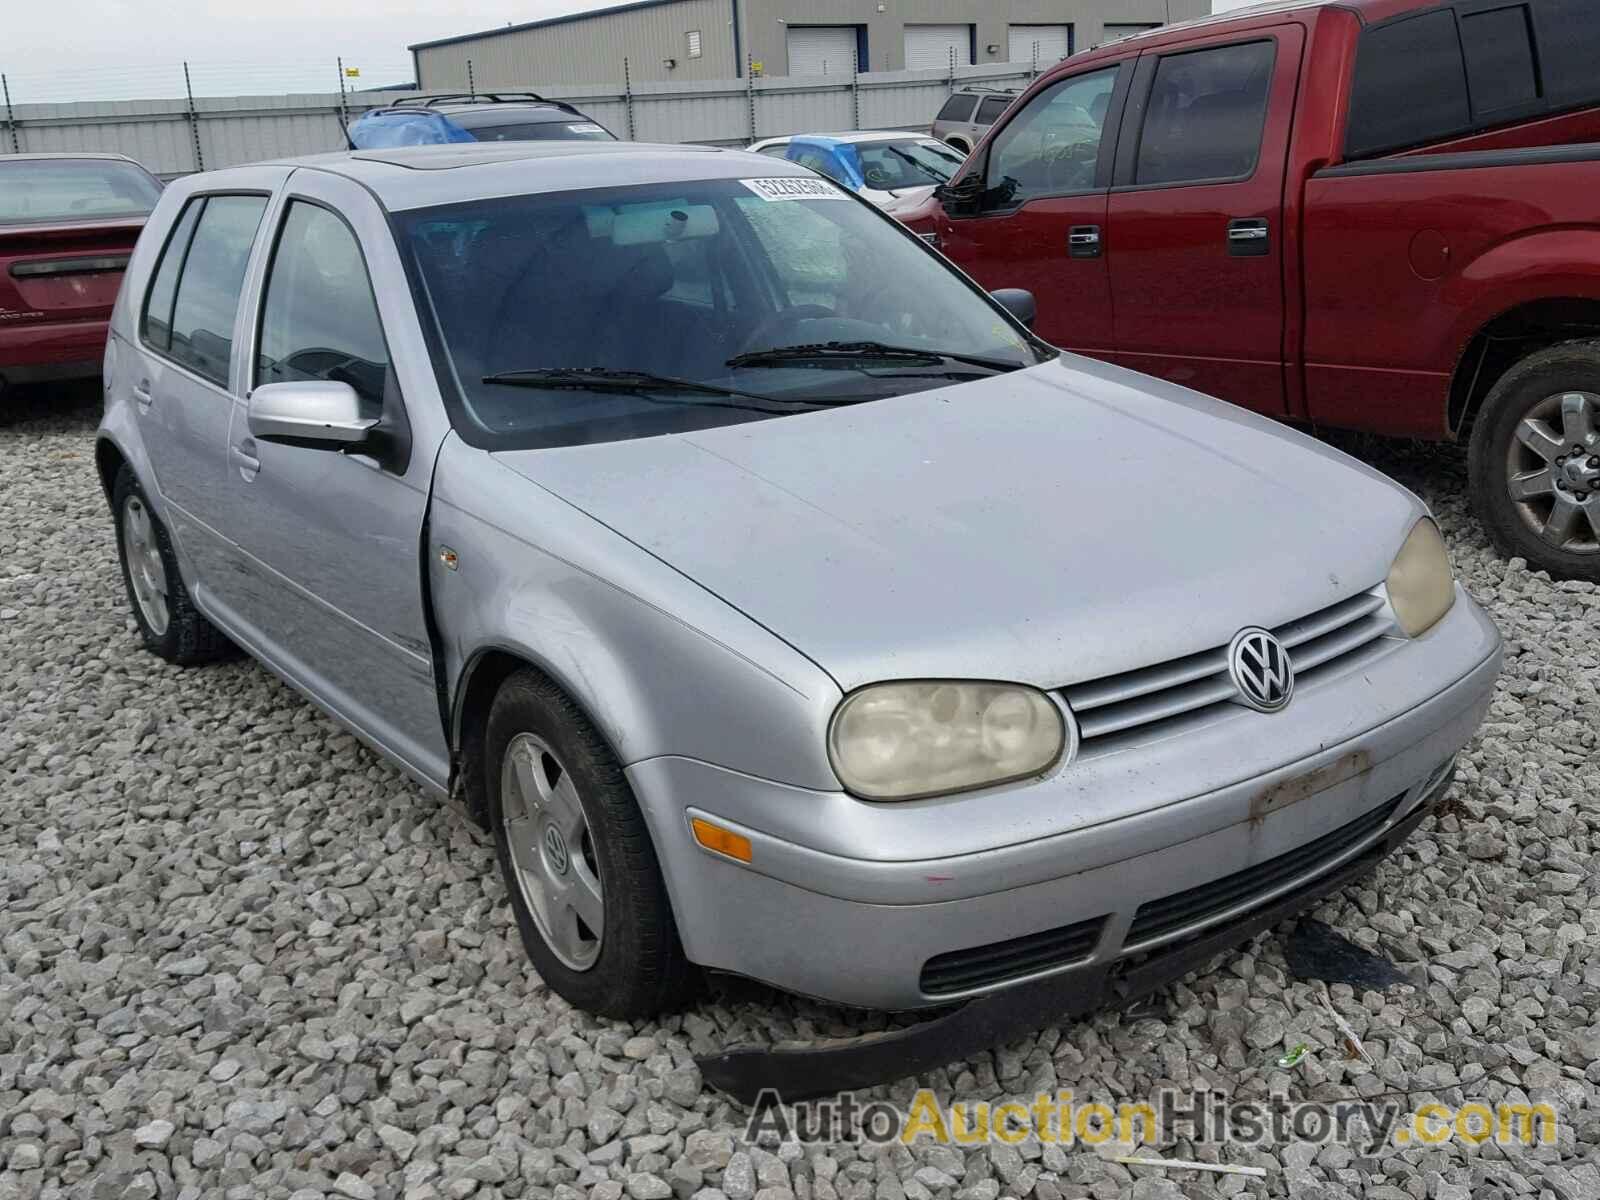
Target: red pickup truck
(1374, 214)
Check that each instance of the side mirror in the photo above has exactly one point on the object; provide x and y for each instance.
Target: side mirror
(319, 414)
(1019, 302)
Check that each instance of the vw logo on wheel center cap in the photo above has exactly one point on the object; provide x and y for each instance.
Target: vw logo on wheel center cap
(555, 849)
(1260, 669)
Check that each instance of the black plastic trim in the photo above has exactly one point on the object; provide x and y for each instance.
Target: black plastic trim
(1467, 160)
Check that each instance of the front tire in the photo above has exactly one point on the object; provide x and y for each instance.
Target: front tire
(577, 858)
(1534, 461)
(169, 624)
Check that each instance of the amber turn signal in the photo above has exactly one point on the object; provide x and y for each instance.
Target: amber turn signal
(722, 841)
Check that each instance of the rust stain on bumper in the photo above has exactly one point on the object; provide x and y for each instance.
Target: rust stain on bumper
(1292, 791)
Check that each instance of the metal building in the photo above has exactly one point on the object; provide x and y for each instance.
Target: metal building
(667, 40)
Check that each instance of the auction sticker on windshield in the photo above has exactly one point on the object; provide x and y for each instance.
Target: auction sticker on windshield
(793, 189)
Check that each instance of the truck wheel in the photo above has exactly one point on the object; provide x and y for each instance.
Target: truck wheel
(1535, 461)
(169, 624)
(577, 858)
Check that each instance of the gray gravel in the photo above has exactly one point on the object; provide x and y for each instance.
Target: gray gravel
(241, 957)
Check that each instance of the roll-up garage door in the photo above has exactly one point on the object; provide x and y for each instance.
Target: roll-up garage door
(1054, 41)
(928, 47)
(822, 49)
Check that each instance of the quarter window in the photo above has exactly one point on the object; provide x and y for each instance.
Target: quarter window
(1052, 146)
(208, 290)
(320, 319)
(1206, 114)
(156, 327)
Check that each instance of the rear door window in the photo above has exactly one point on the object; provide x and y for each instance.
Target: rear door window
(1206, 114)
(957, 108)
(156, 324)
(320, 318)
(1498, 45)
(990, 109)
(208, 288)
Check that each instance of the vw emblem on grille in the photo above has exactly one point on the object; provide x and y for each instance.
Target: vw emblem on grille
(555, 849)
(1260, 668)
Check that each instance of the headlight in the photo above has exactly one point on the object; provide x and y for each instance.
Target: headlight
(1421, 584)
(899, 741)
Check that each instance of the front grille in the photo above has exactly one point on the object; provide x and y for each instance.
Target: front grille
(981, 966)
(1244, 889)
(1137, 706)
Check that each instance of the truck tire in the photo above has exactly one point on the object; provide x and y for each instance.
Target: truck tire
(577, 858)
(1534, 461)
(169, 624)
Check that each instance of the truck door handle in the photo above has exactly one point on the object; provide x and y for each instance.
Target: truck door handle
(247, 463)
(1249, 237)
(1083, 241)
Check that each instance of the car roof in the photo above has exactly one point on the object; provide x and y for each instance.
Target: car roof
(63, 156)
(495, 113)
(860, 135)
(411, 177)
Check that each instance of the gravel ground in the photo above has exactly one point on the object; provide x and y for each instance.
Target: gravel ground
(242, 957)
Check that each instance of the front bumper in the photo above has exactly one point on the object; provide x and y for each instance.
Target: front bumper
(1077, 907)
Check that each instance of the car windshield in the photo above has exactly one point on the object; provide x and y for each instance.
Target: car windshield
(914, 162)
(38, 190)
(684, 305)
(541, 131)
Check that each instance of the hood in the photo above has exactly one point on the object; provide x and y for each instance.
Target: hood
(902, 200)
(1050, 526)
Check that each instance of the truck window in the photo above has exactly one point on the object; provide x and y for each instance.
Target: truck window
(1052, 146)
(1410, 85)
(1206, 114)
(1498, 45)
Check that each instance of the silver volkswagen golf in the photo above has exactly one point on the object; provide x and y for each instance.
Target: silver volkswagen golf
(783, 606)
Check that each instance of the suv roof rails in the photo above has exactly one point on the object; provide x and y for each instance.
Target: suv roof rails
(980, 87)
(471, 98)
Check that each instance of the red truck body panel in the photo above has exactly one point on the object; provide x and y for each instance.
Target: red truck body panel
(1377, 276)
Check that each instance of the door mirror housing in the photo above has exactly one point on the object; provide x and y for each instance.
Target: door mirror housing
(318, 414)
(1019, 302)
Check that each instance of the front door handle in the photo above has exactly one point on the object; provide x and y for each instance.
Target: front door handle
(1249, 237)
(1083, 241)
(249, 465)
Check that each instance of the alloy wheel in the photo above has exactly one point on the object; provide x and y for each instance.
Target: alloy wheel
(146, 570)
(552, 851)
(1553, 471)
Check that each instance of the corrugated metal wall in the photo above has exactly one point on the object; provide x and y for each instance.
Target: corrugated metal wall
(162, 135)
(581, 51)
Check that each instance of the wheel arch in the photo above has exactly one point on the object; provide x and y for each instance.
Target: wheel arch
(108, 462)
(480, 680)
(1505, 340)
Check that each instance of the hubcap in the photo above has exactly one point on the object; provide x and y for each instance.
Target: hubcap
(146, 571)
(1553, 471)
(552, 851)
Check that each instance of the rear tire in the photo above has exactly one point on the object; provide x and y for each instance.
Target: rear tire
(577, 859)
(1532, 482)
(169, 624)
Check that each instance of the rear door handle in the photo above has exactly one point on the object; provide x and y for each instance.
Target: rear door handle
(1249, 237)
(1083, 241)
(142, 393)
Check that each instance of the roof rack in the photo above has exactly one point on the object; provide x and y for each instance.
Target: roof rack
(470, 98)
(981, 87)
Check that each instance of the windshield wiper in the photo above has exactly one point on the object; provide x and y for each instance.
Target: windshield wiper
(919, 165)
(615, 379)
(856, 352)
